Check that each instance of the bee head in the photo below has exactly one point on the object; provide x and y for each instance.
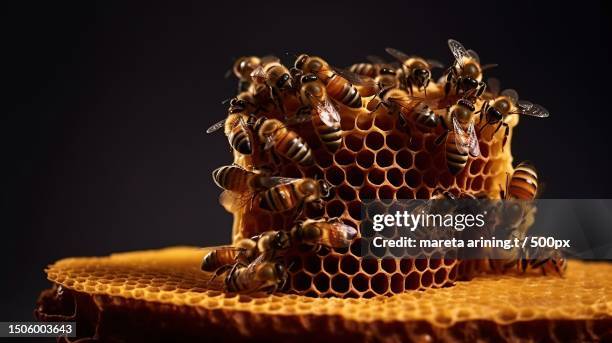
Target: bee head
(301, 61)
(324, 187)
(281, 240)
(472, 70)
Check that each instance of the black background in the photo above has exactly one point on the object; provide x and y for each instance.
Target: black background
(107, 103)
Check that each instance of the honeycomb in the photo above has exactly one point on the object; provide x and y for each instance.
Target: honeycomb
(379, 159)
(125, 297)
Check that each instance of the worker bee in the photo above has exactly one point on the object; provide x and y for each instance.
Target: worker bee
(257, 276)
(387, 78)
(292, 193)
(523, 184)
(465, 74)
(505, 104)
(546, 260)
(278, 80)
(460, 135)
(237, 125)
(365, 69)
(287, 143)
(416, 71)
(340, 84)
(407, 107)
(327, 119)
(237, 179)
(242, 69)
(219, 260)
(332, 233)
(425, 117)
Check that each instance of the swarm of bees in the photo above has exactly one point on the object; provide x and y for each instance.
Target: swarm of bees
(276, 104)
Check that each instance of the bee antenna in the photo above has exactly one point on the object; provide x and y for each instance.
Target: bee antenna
(226, 101)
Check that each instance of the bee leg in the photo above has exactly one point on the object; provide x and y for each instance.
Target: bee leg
(506, 132)
(441, 138)
(497, 129)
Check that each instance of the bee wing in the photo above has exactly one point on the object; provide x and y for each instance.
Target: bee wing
(398, 55)
(512, 94)
(488, 66)
(375, 59)
(274, 181)
(530, 109)
(269, 142)
(435, 64)
(458, 51)
(216, 126)
(327, 112)
(298, 119)
(466, 142)
(269, 59)
(494, 85)
(355, 79)
(258, 73)
(233, 201)
(474, 55)
(341, 235)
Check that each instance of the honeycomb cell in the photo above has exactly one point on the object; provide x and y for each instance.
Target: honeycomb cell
(383, 122)
(346, 193)
(367, 192)
(369, 265)
(340, 283)
(386, 193)
(404, 193)
(364, 121)
(422, 160)
(394, 141)
(321, 282)
(354, 142)
(376, 176)
(349, 265)
(389, 265)
(384, 158)
(395, 177)
(374, 140)
(301, 281)
(403, 158)
(361, 282)
(330, 263)
(335, 208)
(413, 178)
(344, 157)
(335, 175)
(380, 283)
(365, 159)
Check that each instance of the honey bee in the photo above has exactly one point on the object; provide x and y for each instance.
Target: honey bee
(286, 142)
(242, 69)
(416, 71)
(523, 184)
(465, 74)
(340, 84)
(219, 260)
(505, 104)
(547, 260)
(292, 193)
(237, 179)
(387, 78)
(460, 135)
(257, 276)
(327, 119)
(406, 107)
(425, 117)
(365, 69)
(331, 233)
(237, 125)
(278, 80)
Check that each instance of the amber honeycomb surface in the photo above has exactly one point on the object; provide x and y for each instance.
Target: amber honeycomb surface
(168, 285)
(380, 158)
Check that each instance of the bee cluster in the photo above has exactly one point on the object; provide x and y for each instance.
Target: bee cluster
(313, 143)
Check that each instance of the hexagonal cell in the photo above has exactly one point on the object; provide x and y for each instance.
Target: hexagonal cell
(364, 121)
(394, 141)
(365, 159)
(374, 140)
(403, 158)
(367, 192)
(383, 121)
(312, 263)
(384, 158)
(406, 265)
(389, 265)
(354, 142)
(426, 279)
(412, 178)
(395, 177)
(404, 193)
(321, 282)
(301, 281)
(380, 283)
(344, 157)
(369, 265)
(422, 160)
(346, 193)
(397, 283)
(340, 283)
(386, 193)
(334, 175)
(330, 263)
(376, 176)
(441, 276)
(334, 208)
(349, 264)
(361, 282)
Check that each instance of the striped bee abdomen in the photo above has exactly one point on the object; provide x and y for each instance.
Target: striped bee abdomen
(232, 178)
(524, 182)
(295, 148)
(279, 199)
(341, 90)
(455, 159)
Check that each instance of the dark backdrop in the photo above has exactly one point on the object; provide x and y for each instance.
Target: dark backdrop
(106, 106)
